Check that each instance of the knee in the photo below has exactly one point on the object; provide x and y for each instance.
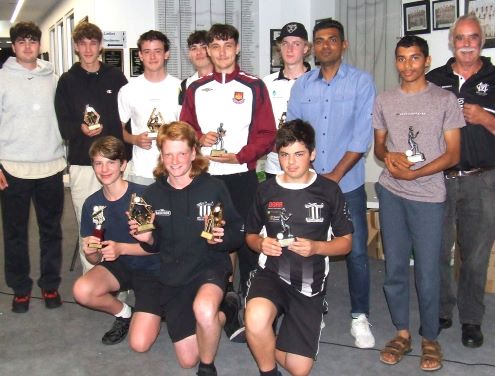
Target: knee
(139, 344)
(204, 311)
(257, 320)
(187, 360)
(300, 369)
(82, 291)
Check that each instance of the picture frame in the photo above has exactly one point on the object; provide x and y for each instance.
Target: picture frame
(416, 17)
(275, 59)
(444, 13)
(114, 57)
(485, 11)
(135, 62)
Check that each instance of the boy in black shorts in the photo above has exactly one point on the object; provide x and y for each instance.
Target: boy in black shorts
(306, 220)
(120, 261)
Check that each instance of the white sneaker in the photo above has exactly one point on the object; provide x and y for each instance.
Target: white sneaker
(360, 330)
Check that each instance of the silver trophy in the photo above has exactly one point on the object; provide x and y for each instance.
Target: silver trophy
(91, 118)
(413, 154)
(218, 149)
(285, 237)
(154, 123)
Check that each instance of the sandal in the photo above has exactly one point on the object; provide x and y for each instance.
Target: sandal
(432, 353)
(396, 348)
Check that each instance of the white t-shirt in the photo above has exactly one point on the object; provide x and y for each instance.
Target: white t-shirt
(137, 100)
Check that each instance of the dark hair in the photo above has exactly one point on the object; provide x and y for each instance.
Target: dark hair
(86, 30)
(197, 37)
(180, 131)
(108, 147)
(296, 130)
(222, 32)
(25, 30)
(329, 24)
(413, 40)
(152, 35)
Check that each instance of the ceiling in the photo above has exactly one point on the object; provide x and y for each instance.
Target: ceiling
(32, 10)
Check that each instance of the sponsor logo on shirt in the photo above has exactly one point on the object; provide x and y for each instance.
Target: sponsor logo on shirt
(314, 212)
(109, 91)
(238, 97)
(163, 213)
(207, 89)
(481, 88)
(411, 113)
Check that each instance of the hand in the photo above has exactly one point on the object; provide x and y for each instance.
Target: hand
(143, 141)
(209, 139)
(475, 114)
(145, 237)
(218, 233)
(3, 181)
(110, 251)
(303, 247)
(398, 171)
(333, 176)
(95, 132)
(225, 158)
(398, 159)
(270, 247)
(90, 251)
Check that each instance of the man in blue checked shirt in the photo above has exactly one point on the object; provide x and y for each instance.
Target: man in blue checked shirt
(337, 101)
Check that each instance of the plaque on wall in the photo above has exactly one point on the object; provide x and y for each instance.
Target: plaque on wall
(114, 57)
(136, 63)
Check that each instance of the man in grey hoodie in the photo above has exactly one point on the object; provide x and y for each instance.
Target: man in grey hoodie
(31, 165)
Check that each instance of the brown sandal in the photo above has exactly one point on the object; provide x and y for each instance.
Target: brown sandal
(432, 353)
(396, 347)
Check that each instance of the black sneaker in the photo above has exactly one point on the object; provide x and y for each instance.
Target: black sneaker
(118, 332)
(52, 298)
(207, 371)
(20, 303)
(234, 327)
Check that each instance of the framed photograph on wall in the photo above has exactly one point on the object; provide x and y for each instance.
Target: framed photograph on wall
(416, 17)
(444, 12)
(485, 11)
(275, 58)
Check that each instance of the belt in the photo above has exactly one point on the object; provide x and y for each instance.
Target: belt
(452, 174)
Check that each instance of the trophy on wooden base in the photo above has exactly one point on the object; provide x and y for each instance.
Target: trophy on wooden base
(285, 237)
(91, 118)
(218, 149)
(214, 219)
(142, 213)
(154, 123)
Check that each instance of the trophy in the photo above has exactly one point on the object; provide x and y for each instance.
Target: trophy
(413, 154)
(91, 118)
(217, 149)
(98, 219)
(214, 219)
(154, 123)
(281, 121)
(285, 237)
(141, 212)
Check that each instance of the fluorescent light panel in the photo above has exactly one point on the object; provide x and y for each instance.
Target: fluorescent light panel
(16, 11)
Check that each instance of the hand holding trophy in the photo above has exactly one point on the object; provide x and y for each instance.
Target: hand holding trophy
(142, 213)
(413, 154)
(285, 237)
(214, 219)
(218, 149)
(155, 121)
(91, 118)
(98, 232)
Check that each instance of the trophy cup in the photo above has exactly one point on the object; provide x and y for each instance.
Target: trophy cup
(141, 212)
(217, 149)
(214, 219)
(281, 121)
(91, 118)
(413, 154)
(98, 219)
(154, 123)
(285, 237)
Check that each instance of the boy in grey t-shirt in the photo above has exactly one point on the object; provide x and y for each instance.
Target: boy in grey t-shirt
(417, 137)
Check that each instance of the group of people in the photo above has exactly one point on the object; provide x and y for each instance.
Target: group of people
(435, 135)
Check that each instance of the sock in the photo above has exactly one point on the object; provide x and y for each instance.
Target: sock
(273, 372)
(207, 367)
(125, 313)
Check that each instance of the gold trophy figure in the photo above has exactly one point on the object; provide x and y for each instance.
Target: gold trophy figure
(218, 149)
(285, 237)
(154, 123)
(98, 219)
(91, 118)
(413, 154)
(281, 121)
(214, 219)
(142, 213)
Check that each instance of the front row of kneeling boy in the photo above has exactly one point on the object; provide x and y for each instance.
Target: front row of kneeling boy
(303, 218)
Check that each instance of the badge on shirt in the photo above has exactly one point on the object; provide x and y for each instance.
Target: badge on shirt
(238, 97)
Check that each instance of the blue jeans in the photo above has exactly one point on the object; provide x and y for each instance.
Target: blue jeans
(358, 273)
(470, 208)
(408, 225)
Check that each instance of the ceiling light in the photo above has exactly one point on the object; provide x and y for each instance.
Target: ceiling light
(16, 11)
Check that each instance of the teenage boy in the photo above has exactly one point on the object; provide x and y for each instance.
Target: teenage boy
(93, 83)
(337, 100)
(31, 165)
(120, 265)
(238, 103)
(417, 136)
(308, 209)
(293, 47)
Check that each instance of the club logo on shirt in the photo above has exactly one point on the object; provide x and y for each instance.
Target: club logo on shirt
(238, 97)
(163, 213)
(109, 91)
(204, 209)
(314, 212)
(481, 88)
(207, 89)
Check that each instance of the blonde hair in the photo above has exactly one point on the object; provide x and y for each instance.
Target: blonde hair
(180, 131)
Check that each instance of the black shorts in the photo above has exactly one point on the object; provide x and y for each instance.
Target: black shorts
(121, 272)
(147, 290)
(300, 329)
(177, 301)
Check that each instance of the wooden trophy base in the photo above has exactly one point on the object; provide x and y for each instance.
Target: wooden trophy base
(217, 152)
(92, 127)
(145, 228)
(95, 245)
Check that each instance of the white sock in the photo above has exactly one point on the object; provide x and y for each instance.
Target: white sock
(125, 313)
